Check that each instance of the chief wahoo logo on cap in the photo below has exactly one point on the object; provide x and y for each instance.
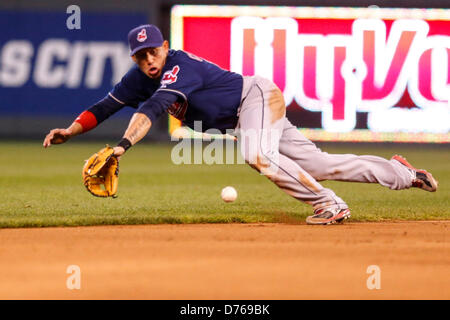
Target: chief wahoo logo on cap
(142, 36)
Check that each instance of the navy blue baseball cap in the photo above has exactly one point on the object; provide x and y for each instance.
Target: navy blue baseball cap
(145, 36)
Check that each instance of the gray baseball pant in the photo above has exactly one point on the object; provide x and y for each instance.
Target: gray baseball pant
(274, 147)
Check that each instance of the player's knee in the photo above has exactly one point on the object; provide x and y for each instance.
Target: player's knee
(276, 104)
(265, 162)
(253, 156)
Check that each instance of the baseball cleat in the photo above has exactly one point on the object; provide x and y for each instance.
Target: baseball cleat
(328, 216)
(421, 178)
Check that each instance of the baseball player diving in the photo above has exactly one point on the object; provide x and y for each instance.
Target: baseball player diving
(193, 89)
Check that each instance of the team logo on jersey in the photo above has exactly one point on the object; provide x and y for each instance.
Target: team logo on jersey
(178, 110)
(170, 76)
(142, 35)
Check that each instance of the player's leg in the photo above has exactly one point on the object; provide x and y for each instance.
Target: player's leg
(261, 125)
(349, 167)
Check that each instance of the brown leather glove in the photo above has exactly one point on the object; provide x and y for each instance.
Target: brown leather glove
(102, 169)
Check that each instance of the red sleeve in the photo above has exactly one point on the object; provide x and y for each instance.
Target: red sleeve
(87, 120)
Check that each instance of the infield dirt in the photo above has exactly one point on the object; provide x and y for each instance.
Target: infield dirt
(228, 261)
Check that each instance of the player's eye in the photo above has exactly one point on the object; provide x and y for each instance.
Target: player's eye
(141, 55)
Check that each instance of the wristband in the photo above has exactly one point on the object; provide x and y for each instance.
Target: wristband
(87, 120)
(125, 143)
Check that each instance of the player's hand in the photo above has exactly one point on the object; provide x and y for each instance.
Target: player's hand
(57, 136)
(118, 152)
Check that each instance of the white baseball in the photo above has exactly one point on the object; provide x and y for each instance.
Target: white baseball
(228, 194)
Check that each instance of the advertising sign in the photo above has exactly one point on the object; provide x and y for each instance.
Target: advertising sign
(349, 74)
(48, 69)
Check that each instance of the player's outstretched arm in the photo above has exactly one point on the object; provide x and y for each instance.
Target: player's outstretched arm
(58, 136)
(86, 121)
(137, 129)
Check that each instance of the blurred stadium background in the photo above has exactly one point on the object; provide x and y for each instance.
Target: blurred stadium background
(398, 90)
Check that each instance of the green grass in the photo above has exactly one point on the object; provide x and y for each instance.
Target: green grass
(42, 187)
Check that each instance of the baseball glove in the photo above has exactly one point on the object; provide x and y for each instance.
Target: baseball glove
(102, 169)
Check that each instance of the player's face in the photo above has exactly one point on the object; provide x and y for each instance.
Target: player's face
(152, 60)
